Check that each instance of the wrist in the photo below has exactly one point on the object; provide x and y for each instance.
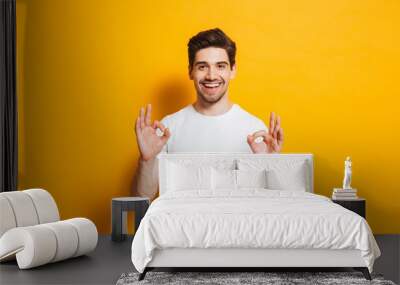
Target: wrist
(143, 158)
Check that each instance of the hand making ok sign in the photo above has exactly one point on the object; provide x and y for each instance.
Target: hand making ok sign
(150, 144)
(271, 141)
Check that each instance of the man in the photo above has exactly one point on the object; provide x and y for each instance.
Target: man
(211, 124)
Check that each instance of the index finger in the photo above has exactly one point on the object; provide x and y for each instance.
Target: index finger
(261, 133)
(159, 125)
(166, 133)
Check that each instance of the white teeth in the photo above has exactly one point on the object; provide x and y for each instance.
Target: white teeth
(212, 85)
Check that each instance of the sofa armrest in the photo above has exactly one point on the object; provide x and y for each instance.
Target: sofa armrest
(40, 244)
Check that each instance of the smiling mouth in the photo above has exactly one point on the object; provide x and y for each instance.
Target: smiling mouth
(211, 85)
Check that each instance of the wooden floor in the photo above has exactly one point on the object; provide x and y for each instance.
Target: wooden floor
(111, 259)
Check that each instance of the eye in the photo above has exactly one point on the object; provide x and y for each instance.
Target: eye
(221, 66)
(201, 67)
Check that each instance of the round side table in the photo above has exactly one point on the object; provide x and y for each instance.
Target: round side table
(119, 208)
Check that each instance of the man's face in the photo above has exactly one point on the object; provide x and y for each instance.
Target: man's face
(211, 73)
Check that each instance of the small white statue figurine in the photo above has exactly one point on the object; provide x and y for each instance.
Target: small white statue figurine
(347, 173)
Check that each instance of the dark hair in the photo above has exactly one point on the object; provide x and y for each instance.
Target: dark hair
(211, 38)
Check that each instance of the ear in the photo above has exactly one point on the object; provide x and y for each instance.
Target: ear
(233, 71)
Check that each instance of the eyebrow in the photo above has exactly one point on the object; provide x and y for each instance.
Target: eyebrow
(205, 62)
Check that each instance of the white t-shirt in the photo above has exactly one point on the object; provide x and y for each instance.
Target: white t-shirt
(192, 131)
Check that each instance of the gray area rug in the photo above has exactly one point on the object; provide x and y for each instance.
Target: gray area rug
(228, 278)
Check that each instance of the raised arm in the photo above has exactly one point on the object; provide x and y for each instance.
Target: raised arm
(150, 145)
(146, 179)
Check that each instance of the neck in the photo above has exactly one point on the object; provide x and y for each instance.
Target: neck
(213, 109)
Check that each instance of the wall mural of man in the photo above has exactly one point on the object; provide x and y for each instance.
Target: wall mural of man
(213, 123)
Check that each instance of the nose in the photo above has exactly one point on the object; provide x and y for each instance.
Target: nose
(211, 73)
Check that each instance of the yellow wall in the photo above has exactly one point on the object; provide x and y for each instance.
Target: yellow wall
(329, 68)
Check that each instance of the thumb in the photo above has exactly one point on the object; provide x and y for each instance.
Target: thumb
(166, 135)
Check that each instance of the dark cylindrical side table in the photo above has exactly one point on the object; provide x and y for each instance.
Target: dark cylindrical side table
(119, 208)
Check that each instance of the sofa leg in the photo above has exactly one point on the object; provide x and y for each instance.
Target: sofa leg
(143, 274)
(364, 271)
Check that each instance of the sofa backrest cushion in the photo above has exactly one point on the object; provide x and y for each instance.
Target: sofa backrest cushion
(26, 208)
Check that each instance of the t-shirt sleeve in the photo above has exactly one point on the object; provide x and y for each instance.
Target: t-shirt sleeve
(260, 125)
